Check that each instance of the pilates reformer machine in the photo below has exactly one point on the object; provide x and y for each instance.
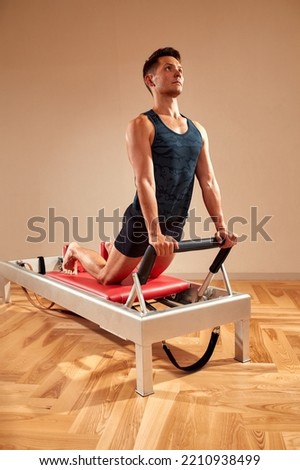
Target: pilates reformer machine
(146, 312)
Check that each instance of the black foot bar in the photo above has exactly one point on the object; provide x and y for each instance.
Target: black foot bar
(185, 245)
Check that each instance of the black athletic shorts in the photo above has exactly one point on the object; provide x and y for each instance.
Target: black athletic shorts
(132, 240)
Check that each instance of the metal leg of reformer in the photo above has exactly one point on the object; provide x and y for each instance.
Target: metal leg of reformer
(5, 290)
(242, 332)
(144, 373)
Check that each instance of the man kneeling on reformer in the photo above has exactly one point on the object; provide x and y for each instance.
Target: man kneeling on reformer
(166, 151)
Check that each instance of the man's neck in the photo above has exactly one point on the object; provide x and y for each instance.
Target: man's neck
(168, 108)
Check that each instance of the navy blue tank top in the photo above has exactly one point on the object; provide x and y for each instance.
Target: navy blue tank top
(175, 158)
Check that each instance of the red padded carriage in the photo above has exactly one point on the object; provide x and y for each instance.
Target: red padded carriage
(161, 286)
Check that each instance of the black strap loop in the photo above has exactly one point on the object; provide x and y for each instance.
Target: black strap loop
(202, 361)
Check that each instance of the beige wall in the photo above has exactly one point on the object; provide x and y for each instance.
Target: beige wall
(71, 80)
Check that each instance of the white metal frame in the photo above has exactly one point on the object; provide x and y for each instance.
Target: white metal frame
(142, 328)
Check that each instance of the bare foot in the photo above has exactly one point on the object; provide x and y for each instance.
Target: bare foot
(69, 258)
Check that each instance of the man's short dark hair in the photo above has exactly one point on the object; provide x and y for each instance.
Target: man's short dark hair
(152, 60)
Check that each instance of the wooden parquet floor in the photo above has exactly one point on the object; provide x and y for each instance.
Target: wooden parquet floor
(66, 384)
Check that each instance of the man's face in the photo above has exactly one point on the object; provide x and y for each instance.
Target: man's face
(167, 78)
